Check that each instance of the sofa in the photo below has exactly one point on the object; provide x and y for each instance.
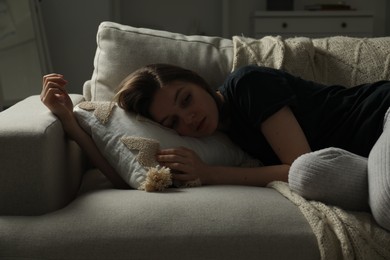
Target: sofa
(55, 205)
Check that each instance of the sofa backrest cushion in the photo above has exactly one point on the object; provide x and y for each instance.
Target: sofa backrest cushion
(121, 49)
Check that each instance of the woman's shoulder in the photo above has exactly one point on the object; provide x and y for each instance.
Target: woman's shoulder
(254, 74)
(253, 69)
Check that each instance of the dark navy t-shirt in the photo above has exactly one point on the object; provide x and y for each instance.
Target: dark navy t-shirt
(330, 116)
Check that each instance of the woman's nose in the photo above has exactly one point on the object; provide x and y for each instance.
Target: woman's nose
(189, 118)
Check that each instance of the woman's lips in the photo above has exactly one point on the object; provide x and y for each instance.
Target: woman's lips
(201, 124)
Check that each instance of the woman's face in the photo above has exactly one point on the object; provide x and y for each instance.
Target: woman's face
(186, 108)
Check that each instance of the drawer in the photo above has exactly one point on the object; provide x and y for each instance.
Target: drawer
(321, 24)
(309, 25)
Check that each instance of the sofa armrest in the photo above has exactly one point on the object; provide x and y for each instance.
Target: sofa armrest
(40, 168)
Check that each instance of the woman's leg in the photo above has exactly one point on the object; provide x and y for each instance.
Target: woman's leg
(379, 176)
(340, 178)
(333, 176)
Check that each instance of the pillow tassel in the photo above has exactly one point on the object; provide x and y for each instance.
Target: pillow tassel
(157, 179)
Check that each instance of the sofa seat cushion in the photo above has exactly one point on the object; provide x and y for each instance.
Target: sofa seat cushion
(208, 222)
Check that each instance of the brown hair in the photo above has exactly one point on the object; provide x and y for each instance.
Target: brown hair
(137, 90)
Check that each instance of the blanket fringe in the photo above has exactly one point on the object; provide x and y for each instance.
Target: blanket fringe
(340, 234)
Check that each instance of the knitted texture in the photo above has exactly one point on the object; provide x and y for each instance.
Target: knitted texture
(340, 234)
(379, 177)
(147, 149)
(157, 178)
(333, 176)
(334, 60)
(102, 110)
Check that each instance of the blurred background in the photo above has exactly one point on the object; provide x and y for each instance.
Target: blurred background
(42, 36)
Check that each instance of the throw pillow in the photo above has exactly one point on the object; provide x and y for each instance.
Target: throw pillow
(130, 142)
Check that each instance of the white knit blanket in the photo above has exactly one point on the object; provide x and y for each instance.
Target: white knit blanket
(334, 60)
(340, 234)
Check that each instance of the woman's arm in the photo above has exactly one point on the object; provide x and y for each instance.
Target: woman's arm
(281, 130)
(55, 97)
(285, 135)
(186, 166)
(97, 159)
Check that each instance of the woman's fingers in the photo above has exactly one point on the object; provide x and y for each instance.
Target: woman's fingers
(51, 96)
(171, 158)
(53, 80)
(53, 77)
(58, 79)
(178, 162)
(52, 88)
(173, 154)
(55, 97)
(174, 162)
(182, 161)
(180, 167)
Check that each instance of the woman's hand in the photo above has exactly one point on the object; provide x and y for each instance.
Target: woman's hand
(55, 96)
(184, 163)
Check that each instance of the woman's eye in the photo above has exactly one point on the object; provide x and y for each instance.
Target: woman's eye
(174, 123)
(187, 100)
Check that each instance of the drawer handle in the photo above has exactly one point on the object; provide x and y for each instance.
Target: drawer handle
(284, 25)
(344, 25)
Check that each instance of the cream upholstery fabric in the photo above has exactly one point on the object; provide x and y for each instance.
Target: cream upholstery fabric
(209, 222)
(39, 170)
(122, 49)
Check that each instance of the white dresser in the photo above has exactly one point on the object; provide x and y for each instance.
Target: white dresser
(313, 24)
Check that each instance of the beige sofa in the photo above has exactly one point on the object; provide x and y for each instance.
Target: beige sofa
(54, 206)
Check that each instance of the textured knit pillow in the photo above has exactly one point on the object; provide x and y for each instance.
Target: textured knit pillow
(130, 142)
